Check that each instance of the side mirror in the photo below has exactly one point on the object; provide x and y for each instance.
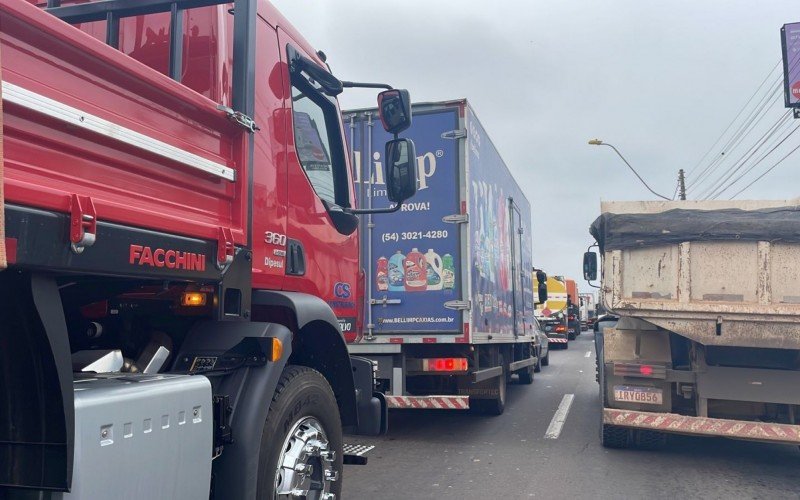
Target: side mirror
(542, 293)
(401, 171)
(541, 276)
(394, 108)
(590, 266)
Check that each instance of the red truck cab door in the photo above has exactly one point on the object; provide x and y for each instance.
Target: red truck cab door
(322, 260)
(270, 182)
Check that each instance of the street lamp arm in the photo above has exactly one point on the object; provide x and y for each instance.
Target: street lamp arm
(633, 170)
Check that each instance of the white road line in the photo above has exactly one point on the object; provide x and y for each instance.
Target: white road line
(554, 429)
(588, 354)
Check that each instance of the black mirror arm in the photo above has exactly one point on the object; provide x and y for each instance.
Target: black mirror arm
(361, 211)
(365, 85)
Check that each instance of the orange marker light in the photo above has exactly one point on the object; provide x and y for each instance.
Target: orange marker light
(193, 299)
(277, 350)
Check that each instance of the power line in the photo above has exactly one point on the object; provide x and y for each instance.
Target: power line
(719, 186)
(742, 131)
(763, 157)
(768, 170)
(747, 127)
(772, 91)
(734, 118)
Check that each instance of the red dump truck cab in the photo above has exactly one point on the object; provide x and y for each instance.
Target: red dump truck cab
(180, 248)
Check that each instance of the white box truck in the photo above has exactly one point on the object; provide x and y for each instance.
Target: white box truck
(449, 291)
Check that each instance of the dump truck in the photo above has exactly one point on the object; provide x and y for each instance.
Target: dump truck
(449, 292)
(708, 338)
(552, 313)
(179, 246)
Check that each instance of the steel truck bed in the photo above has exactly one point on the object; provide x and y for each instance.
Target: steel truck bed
(91, 137)
(719, 273)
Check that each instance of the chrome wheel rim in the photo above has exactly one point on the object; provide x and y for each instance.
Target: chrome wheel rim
(306, 465)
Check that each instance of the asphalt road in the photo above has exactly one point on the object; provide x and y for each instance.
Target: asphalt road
(441, 454)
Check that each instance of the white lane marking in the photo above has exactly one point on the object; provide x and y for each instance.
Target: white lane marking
(588, 354)
(554, 429)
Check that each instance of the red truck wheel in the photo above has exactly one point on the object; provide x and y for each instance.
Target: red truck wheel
(301, 446)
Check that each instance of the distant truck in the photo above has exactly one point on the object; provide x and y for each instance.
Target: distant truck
(552, 313)
(708, 337)
(449, 303)
(573, 309)
(587, 310)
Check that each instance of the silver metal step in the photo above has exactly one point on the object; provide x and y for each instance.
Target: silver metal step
(354, 453)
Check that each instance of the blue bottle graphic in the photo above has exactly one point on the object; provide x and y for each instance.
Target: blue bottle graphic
(397, 272)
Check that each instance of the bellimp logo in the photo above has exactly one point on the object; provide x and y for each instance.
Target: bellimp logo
(426, 167)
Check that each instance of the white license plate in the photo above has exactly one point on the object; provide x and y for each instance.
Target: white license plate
(633, 394)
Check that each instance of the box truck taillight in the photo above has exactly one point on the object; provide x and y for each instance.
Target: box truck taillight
(444, 365)
(561, 329)
(640, 370)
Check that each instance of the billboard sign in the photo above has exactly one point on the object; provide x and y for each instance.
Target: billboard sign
(790, 41)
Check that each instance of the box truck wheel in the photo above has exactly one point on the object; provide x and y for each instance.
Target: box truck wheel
(497, 405)
(526, 374)
(301, 446)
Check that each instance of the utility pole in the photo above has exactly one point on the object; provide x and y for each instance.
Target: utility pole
(682, 184)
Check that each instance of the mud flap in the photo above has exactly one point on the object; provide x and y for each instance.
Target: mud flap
(373, 412)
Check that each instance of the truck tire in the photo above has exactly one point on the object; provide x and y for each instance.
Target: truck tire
(494, 406)
(526, 374)
(301, 445)
(612, 436)
(571, 336)
(649, 440)
(498, 405)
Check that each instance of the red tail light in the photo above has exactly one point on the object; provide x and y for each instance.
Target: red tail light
(640, 370)
(571, 317)
(561, 329)
(445, 365)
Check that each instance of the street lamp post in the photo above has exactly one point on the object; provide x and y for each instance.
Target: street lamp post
(598, 142)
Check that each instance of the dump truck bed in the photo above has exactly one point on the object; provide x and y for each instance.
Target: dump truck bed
(90, 133)
(720, 273)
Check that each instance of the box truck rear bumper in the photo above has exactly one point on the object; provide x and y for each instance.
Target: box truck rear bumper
(428, 402)
(703, 426)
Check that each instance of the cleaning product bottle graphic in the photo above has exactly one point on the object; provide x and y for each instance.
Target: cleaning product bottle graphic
(382, 274)
(416, 276)
(448, 272)
(434, 270)
(396, 272)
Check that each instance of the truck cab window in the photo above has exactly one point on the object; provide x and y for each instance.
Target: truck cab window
(318, 142)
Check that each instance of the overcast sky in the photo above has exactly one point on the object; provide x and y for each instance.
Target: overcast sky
(659, 80)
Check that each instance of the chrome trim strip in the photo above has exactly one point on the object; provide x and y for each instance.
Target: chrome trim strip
(73, 116)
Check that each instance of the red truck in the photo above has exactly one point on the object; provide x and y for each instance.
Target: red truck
(180, 244)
